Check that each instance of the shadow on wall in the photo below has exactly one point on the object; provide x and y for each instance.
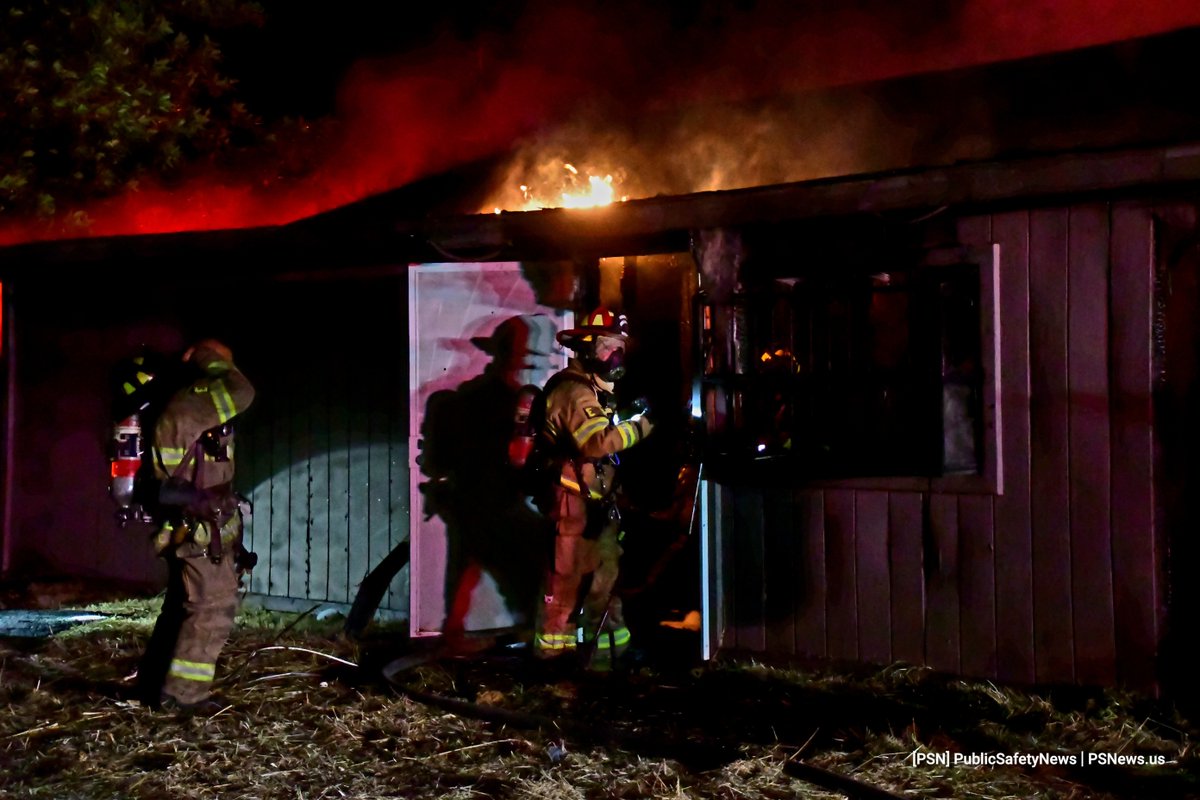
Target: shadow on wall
(315, 543)
(323, 449)
(471, 484)
(326, 467)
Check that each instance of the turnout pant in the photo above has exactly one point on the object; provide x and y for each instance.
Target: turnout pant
(195, 621)
(578, 553)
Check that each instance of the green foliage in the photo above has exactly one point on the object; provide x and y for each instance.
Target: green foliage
(97, 94)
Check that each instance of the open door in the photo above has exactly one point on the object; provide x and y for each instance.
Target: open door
(477, 334)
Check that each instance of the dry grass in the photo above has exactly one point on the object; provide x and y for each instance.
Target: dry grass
(305, 725)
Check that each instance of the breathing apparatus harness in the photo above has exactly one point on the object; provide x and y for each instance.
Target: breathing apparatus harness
(552, 451)
(177, 503)
(142, 386)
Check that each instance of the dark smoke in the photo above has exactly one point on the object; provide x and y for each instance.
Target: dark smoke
(715, 96)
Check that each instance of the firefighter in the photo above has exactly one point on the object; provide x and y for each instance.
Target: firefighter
(581, 436)
(200, 520)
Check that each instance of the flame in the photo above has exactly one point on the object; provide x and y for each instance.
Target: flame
(575, 189)
(598, 193)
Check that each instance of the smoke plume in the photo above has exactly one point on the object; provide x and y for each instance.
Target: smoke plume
(719, 96)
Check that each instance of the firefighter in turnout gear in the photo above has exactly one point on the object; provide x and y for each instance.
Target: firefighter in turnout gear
(200, 518)
(581, 436)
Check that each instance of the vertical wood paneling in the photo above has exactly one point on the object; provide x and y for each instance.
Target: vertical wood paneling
(1054, 637)
(1134, 545)
(907, 576)
(977, 585)
(299, 493)
(810, 591)
(1013, 540)
(280, 492)
(318, 507)
(781, 551)
(942, 640)
(749, 602)
(342, 585)
(1057, 578)
(1087, 359)
(359, 480)
(379, 505)
(397, 403)
(253, 458)
(841, 618)
(872, 577)
(402, 521)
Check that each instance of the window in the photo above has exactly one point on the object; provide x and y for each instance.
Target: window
(876, 366)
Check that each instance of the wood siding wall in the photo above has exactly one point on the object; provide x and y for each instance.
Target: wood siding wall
(323, 452)
(1057, 579)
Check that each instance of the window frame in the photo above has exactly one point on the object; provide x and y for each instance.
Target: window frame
(990, 478)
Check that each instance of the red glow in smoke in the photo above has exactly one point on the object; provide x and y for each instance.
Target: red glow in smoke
(405, 118)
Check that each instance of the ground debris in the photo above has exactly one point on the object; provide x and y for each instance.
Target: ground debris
(311, 718)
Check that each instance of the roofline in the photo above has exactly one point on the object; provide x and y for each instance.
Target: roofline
(982, 185)
(657, 224)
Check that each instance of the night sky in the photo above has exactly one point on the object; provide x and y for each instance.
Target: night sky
(627, 55)
(714, 96)
(294, 64)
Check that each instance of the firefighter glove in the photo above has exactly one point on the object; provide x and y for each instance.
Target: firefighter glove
(635, 408)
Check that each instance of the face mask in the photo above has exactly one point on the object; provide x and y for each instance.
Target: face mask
(612, 368)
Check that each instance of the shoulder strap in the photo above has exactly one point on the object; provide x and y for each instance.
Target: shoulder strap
(192, 455)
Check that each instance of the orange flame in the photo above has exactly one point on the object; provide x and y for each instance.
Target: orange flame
(575, 190)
